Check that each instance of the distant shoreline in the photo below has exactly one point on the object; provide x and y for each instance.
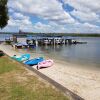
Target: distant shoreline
(55, 34)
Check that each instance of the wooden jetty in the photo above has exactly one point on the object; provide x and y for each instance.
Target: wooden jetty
(51, 40)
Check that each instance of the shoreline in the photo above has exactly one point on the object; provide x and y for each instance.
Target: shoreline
(82, 81)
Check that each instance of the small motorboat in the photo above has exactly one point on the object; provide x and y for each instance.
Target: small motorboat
(34, 61)
(8, 40)
(45, 64)
(24, 45)
(31, 45)
(1, 53)
(21, 58)
(18, 45)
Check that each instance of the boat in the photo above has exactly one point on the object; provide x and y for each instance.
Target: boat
(31, 45)
(21, 58)
(45, 64)
(34, 61)
(8, 40)
(18, 45)
(31, 41)
(1, 53)
(24, 45)
(78, 42)
(81, 42)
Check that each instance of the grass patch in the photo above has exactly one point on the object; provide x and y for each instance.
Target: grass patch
(17, 84)
(6, 65)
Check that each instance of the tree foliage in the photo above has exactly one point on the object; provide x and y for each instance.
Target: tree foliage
(3, 13)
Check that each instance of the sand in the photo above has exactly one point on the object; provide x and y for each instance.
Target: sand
(82, 81)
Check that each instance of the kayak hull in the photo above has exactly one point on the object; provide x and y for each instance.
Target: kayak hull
(34, 61)
(45, 64)
(22, 57)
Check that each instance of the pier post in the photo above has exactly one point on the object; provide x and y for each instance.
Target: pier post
(14, 39)
(36, 41)
(64, 41)
(54, 42)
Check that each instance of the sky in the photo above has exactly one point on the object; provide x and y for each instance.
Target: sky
(61, 16)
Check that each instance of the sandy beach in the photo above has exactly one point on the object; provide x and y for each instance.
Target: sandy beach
(82, 81)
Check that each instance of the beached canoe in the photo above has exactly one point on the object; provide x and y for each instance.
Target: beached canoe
(34, 61)
(21, 58)
(45, 64)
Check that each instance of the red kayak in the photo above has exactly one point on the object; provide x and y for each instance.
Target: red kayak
(45, 64)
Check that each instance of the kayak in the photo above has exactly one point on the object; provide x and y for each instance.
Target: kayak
(45, 64)
(21, 58)
(34, 61)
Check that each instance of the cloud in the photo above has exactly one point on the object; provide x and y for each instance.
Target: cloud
(19, 21)
(52, 16)
(85, 10)
(40, 27)
(84, 16)
(84, 5)
(90, 25)
(51, 11)
(19, 16)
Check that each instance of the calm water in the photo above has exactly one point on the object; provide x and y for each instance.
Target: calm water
(3, 36)
(80, 54)
(85, 54)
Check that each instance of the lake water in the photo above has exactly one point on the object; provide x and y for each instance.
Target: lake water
(3, 36)
(84, 54)
(80, 54)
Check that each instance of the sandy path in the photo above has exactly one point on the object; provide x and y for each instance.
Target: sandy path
(83, 82)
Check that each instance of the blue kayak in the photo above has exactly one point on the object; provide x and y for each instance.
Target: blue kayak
(22, 57)
(34, 61)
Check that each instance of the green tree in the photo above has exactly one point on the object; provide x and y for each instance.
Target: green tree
(3, 13)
